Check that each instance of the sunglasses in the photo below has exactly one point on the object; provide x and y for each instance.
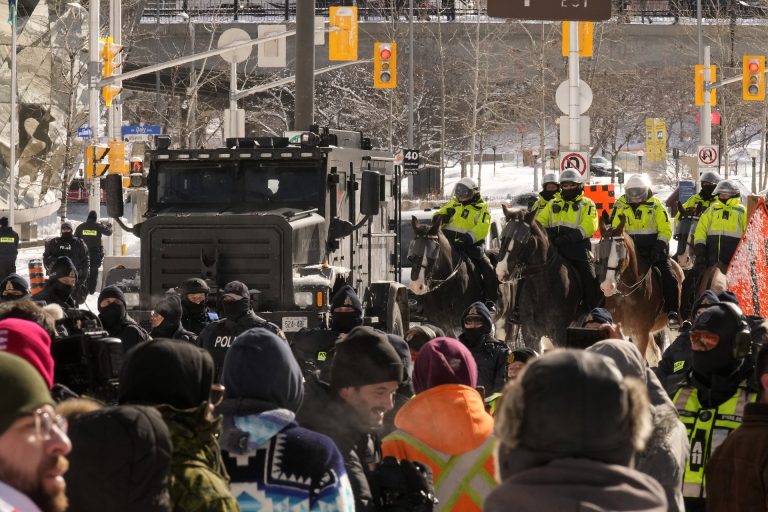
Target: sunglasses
(703, 341)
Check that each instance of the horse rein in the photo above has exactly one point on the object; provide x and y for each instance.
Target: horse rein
(619, 272)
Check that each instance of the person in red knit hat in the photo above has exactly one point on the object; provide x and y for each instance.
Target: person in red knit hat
(30, 342)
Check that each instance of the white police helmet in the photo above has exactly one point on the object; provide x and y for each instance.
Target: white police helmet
(638, 188)
(465, 189)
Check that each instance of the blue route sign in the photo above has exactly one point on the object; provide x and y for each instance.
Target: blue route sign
(687, 190)
(85, 132)
(140, 130)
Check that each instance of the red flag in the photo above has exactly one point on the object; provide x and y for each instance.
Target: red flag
(748, 272)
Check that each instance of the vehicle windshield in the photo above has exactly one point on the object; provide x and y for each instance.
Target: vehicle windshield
(251, 185)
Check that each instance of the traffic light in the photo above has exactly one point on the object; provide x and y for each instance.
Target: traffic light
(96, 163)
(384, 65)
(117, 163)
(753, 78)
(109, 53)
(699, 85)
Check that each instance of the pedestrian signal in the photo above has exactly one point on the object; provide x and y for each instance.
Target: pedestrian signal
(384, 65)
(96, 162)
(753, 78)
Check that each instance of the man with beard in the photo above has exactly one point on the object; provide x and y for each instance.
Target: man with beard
(218, 336)
(314, 348)
(194, 308)
(74, 249)
(33, 441)
(166, 320)
(62, 278)
(365, 374)
(490, 354)
(116, 321)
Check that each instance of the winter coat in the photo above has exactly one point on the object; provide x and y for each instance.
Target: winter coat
(449, 419)
(491, 358)
(9, 243)
(314, 350)
(129, 333)
(272, 460)
(666, 451)
(91, 232)
(325, 412)
(197, 322)
(675, 363)
(48, 296)
(199, 482)
(578, 485)
(218, 336)
(737, 473)
(179, 333)
(71, 247)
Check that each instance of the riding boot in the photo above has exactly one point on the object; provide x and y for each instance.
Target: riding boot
(490, 282)
(590, 289)
(669, 286)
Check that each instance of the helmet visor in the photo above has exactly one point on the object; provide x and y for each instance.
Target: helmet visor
(463, 193)
(637, 195)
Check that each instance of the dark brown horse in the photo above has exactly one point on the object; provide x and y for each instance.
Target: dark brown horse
(633, 291)
(550, 291)
(445, 282)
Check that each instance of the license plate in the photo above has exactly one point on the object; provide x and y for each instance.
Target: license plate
(294, 323)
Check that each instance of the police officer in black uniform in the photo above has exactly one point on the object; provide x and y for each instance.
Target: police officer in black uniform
(62, 278)
(195, 314)
(115, 319)
(490, 354)
(314, 348)
(77, 252)
(9, 248)
(91, 232)
(238, 317)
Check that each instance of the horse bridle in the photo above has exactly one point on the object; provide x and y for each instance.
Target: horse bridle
(417, 260)
(622, 248)
(521, 234)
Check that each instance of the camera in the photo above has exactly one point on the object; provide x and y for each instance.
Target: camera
(87, 360)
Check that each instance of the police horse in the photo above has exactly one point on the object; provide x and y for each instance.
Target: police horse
(713, 278)
(445, 282)
(632, 289)
(550, 293)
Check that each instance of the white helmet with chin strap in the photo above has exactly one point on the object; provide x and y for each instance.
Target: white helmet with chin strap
(638, 188)
(710, 177)
(550, 177)
(466, 189)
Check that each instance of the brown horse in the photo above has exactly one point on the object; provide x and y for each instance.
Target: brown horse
(633, 291)
(550, 290)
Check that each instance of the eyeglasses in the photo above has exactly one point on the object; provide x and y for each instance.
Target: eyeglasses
(217, 395)
(45, 421)
(703, 341)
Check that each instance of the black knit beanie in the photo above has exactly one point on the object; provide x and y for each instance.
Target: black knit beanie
(112, 292)
(347, 296)
(365, 356)
(166, 371)
(170, 309)
(62, 267)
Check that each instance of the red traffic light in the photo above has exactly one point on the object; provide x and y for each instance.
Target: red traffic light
(385, 53)
(753, 66)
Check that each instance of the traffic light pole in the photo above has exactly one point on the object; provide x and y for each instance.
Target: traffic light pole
(94, 107)
(116, 113)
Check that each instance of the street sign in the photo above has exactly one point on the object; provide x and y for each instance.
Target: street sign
(342, 43)
(140, 130)
(563, 100)
(559, 10)
(271, 54)
(586, 31)
(565, 130)
(577, 160)
(411, 161)
(686, 189)
(85, 132)
(655, 139)
(708, 156)
(233, 36)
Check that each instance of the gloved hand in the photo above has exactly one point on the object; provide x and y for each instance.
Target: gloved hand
(403, 486)
(450, 212)
(700, 258)
(660, 251)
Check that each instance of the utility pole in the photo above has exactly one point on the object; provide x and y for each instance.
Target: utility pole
(410, 76)
(305, 65)
(574, 110)
(115, 113)
(94, 113)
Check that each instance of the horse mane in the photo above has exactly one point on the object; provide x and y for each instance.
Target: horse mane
(631, 252)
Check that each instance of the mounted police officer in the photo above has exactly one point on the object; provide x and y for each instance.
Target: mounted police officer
(571, 220)
(711, 400)
(74, 249)
(705, 197)
(9, 248)
(466, 223)
(648, 223)
(91, 232)
(194, 305)
(490, 354)
(720, 228)
(238, 317)
(549, 189)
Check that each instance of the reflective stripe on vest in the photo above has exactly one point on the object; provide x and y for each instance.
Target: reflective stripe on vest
(707, 429)
(456, 475)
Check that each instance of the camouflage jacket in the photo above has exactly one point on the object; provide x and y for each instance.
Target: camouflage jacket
(199, 482)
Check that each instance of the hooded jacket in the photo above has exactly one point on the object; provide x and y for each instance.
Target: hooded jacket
(71, 247)
(446, 428)
(666, 451)
(490, 354)
(127, 450)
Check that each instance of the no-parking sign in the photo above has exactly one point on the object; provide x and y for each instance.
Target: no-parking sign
(577, 160)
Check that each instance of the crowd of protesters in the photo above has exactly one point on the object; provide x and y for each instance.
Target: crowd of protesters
(218, 411)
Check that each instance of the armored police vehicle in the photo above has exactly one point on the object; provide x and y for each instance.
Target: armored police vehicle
(293, 221)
